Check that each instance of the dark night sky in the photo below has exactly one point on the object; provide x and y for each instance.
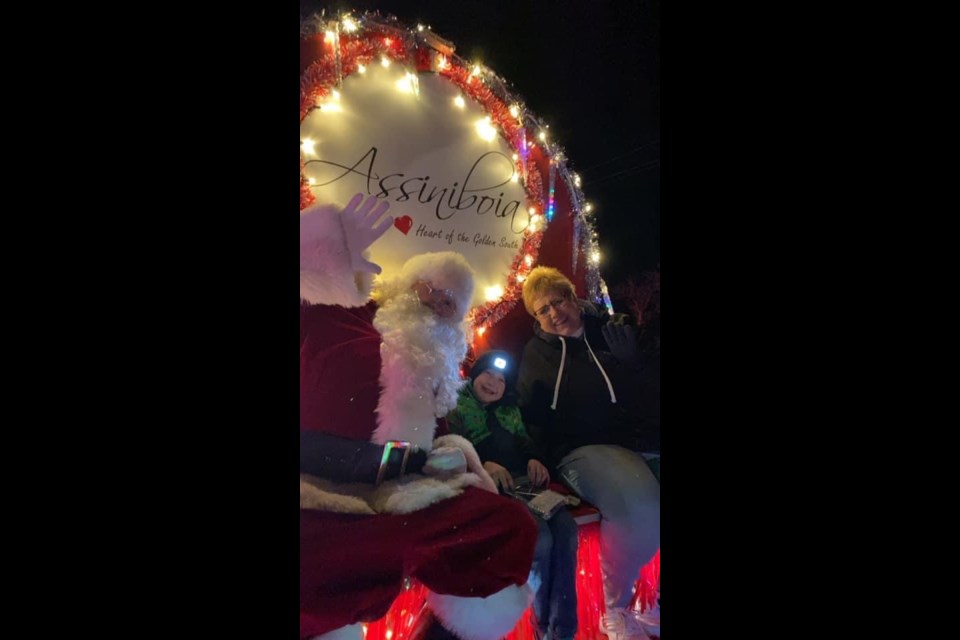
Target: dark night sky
(589, 69)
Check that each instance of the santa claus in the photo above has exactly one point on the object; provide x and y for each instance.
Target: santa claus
(386, 494)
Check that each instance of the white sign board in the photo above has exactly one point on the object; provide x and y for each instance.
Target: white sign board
(416, 141)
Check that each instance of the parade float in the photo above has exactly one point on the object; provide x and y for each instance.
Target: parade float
(389, 109)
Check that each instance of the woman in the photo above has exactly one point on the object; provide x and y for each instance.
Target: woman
(585, 401)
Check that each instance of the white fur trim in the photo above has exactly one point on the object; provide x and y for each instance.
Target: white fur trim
(413, 493)
(404, 495)
(323, 495)
(487, 618)
(473, 459)
(349, 632)
(326, 276)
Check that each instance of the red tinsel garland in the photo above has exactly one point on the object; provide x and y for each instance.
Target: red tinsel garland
(489, 314)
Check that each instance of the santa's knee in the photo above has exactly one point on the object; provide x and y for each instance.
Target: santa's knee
(515, 518)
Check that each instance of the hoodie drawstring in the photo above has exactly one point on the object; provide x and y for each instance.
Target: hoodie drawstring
(563, 358)
(613, 396)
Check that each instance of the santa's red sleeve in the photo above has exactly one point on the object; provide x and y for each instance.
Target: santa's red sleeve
(339, 370)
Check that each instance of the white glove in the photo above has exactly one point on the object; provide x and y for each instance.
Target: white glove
(445, 461)
(361, 230)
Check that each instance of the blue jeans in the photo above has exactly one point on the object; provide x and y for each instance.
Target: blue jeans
(555, 560)
(620, 483)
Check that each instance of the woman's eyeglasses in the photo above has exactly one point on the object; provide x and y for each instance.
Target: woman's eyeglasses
(543, 311)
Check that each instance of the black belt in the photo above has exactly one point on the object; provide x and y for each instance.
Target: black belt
(346, 460)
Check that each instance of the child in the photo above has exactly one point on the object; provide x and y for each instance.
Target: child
(488, 416)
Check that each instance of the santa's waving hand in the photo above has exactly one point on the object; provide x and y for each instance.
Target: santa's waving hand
(362, 230)
(333, 247)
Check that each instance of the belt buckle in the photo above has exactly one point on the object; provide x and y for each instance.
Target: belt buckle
(389, 446)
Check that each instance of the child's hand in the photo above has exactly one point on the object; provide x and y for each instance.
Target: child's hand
(538, 474)
(500, 475)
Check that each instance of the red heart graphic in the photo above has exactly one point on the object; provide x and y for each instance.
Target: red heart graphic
(404, 223)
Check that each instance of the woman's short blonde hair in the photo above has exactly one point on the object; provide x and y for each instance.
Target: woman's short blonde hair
(543, 280)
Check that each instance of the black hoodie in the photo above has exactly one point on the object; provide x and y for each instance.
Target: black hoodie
(595, 399)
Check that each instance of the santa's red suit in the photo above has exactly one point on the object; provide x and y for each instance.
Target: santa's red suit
(370, 372)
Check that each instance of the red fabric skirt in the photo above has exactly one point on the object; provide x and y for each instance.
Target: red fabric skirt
(352, 566)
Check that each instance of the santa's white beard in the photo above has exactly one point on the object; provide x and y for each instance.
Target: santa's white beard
(420, 374)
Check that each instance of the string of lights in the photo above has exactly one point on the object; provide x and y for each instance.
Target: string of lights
(353, 42)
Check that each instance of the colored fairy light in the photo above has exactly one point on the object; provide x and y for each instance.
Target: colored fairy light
(552, 191)
(606, 296)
